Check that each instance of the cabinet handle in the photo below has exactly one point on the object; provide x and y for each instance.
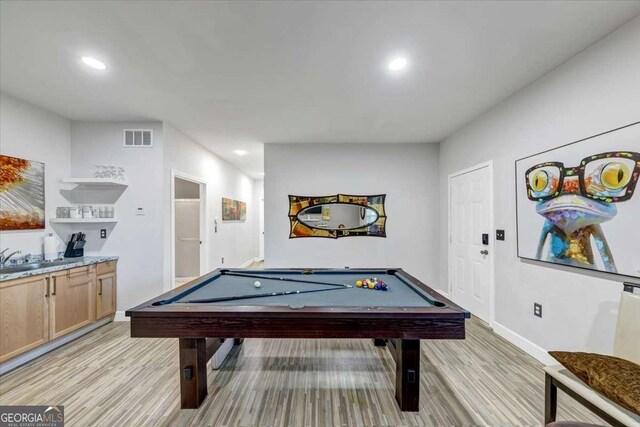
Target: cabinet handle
(54, 287)
(46, 293)
(99, 286)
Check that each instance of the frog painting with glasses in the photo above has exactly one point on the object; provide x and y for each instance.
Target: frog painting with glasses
(574, 202)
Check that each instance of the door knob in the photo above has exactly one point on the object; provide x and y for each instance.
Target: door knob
(484, 252)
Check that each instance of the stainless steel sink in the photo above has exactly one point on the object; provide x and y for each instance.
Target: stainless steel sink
(34, 266)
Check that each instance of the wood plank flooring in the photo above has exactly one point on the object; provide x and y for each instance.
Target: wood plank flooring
(109, 379)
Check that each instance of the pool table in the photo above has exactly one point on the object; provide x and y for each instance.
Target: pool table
(299, 303)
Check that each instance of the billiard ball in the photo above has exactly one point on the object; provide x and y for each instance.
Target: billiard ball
(359, 283)
(257, 284)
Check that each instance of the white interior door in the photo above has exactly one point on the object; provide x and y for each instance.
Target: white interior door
(261, 221)
(187, 244)
(470, 259)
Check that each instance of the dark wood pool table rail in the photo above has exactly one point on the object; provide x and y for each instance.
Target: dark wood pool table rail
(148, 309)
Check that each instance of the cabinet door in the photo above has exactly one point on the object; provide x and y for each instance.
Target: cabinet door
(72, 299)
(24, 311)
(105, 295)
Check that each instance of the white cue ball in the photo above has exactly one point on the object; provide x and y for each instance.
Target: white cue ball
(257, 284)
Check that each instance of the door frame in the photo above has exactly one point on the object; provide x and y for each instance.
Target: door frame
(261, 229)
(204, 232)
(492, 240)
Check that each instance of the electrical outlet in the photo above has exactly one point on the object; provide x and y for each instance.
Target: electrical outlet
(103, 233)
(537, 309)
(223, 260)
(499, 234)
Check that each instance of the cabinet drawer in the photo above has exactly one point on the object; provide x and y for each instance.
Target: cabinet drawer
(106, 267)
(71, 271)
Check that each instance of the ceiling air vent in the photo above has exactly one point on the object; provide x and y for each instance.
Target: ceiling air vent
(139, 138)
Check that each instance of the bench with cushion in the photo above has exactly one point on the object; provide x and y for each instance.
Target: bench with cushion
(620, 407)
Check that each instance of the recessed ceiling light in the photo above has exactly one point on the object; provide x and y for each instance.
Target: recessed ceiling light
(398, 64)
(240, 152)
(94, 63)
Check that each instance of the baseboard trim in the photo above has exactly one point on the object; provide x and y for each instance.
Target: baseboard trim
(221, 354)
(120, 317)
(249, 262)
(51, 345)
(532, 349)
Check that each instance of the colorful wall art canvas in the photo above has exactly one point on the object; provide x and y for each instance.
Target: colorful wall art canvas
(577, 204)
(242, 211)
(233, 210)
(21, 194)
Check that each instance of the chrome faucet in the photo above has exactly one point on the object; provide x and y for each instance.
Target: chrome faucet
(4, 259)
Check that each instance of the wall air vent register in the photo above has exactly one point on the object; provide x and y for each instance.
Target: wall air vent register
(138, 138)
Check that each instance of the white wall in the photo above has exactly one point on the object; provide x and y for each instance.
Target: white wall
(407, 173)
(235, 241)
(596, 91)
(32, 133)
(258, 196)
(136, 239)
(74, 148)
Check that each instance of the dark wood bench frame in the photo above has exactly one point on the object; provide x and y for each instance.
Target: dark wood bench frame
(551, 402)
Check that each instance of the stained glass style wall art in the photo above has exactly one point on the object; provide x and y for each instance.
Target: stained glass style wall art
(335, 216)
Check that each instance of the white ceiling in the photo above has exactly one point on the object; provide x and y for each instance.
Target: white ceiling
(239, 74)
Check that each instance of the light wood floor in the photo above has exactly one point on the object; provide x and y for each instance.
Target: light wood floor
(106, 378)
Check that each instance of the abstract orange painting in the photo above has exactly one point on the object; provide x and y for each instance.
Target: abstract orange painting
(21, 194)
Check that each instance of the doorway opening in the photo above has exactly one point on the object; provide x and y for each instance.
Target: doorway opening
(188, 213)
(471, 240)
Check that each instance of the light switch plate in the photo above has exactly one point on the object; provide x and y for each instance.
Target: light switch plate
(499, 234)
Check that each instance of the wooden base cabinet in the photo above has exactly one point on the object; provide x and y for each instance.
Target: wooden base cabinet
(106, 289)
(24, 315)
(35, 310)
(72, 300)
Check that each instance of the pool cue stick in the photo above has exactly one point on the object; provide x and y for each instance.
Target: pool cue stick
(270, 294)
(282, 279)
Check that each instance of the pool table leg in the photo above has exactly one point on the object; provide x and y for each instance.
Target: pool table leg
(193, 372)
(408, 374)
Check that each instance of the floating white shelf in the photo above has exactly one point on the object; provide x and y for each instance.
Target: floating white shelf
(82, 220)
(96, 182)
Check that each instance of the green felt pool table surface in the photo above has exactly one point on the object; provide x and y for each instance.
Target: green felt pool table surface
(400, 293)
